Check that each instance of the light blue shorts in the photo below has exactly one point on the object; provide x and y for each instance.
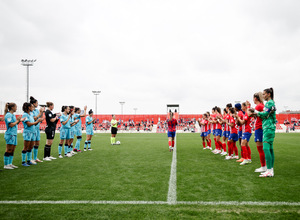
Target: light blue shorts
(11, 139)
(65, 134)
(89, 131)
(29, 136)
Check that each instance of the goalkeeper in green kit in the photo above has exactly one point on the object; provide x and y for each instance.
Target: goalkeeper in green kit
(268, 117)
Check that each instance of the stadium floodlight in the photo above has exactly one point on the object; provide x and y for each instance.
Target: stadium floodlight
(122, 103)
(135, 109)
(27, 63)
(96, 93)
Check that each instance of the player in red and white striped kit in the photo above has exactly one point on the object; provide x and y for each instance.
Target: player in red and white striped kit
(233, 138)
(258, 138)
(205, 126)
(247, 123)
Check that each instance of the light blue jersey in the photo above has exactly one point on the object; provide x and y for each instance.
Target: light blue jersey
(63, 118)
(11, 118)
(78, 125)
(88, 126)
(35, 113)
(28, 118)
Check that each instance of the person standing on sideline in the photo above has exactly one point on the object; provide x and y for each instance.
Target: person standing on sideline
(172, 123)
(29, 133)
(11, 134)
(36, 114)
(89, 124)
(268, 117)
(258, 138)
(114, 130)
(78, 129)
(51, 120)
(65, 133)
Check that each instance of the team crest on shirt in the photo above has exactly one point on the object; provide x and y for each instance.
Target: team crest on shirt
(9, 119)
(50, 115)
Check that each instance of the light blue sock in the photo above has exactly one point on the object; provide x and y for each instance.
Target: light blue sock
(11, 158)
(66, 149)
(59, 149)
(6, 159)
(85, 143)
(89, 144)
(23, 156)
(35, 152)
(29, 154)
(77, 146)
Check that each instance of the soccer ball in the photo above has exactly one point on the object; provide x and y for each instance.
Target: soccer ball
(118, 142)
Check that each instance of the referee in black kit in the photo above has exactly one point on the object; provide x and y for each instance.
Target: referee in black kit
(51, 120)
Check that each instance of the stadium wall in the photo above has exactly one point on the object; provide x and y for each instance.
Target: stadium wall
(155, 117)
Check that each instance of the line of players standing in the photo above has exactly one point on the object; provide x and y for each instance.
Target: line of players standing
(32, 117)
(236, 123)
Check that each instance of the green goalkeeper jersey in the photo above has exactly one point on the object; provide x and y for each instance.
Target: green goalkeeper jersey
(268, 116)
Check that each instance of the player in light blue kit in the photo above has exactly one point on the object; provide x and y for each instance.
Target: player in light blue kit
(29, 133)
(89, 124)
(73, 122)
(11, 134)
(65, 132)
(78, 129)
(36, 115)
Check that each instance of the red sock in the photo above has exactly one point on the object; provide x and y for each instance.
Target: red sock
(203, 143)
(229, 148)
(236, 152)
(220, 145)
(244, 152)
(172, 143)
(248, 153)
(224, 147)
(216, 145)
(261, 156)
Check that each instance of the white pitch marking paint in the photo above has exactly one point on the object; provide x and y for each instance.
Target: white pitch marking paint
(212, 203)
(172, 194)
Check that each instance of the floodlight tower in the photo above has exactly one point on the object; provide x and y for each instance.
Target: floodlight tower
(135, 109)
(27, 63)
(122, 103)
(96, 93)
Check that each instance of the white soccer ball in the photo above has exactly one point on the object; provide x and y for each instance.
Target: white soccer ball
(118, 142)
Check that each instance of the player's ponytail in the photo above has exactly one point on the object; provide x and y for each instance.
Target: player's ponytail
(32, 100)
(63, 108)
(8, 107)
(225, 110)
(270, 91)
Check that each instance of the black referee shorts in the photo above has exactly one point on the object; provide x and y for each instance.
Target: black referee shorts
(50, 133)
(114, 130)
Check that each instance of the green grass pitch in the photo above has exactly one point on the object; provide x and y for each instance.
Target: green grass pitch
(139, 170)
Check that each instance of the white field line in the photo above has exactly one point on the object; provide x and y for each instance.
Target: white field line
(172, 194)
(216, 203)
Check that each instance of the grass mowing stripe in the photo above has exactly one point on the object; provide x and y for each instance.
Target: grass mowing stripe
(172, 195)
(216, 203)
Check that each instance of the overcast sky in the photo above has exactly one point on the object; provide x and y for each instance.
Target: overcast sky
(150, 53)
